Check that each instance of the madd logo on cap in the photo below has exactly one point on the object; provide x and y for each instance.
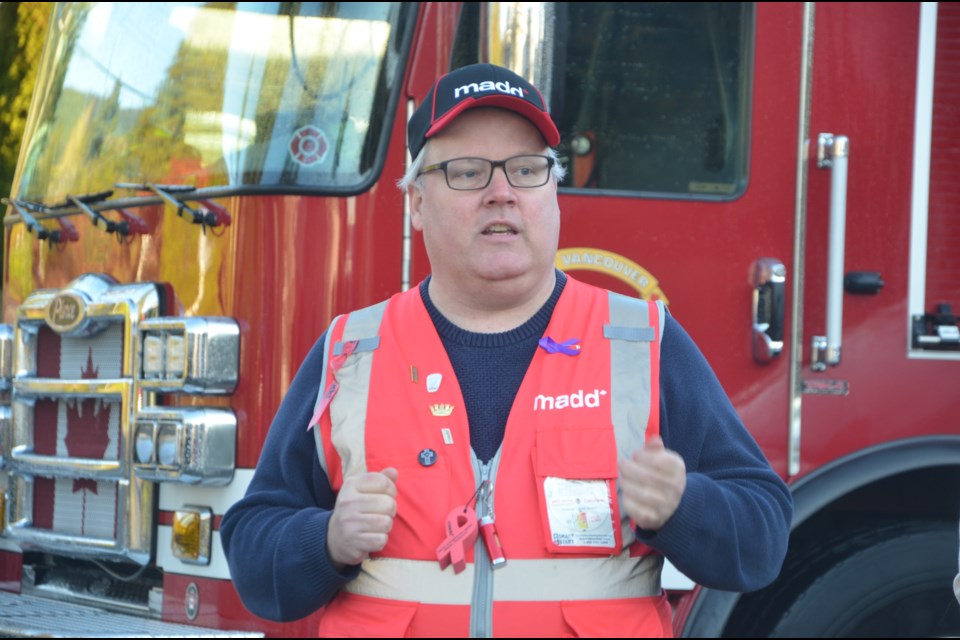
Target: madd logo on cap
(488, 85)
(478, 85)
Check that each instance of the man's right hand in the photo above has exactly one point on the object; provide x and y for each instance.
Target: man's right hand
(362, 517)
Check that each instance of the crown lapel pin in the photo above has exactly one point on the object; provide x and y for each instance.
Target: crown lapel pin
(441, 410)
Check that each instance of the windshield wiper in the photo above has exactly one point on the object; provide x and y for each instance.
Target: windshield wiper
(129, 224)
(208, 214)
(66, 233)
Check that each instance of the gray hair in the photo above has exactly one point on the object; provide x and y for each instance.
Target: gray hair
(412, 176)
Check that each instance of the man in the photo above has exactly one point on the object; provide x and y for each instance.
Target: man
(956, 586)
(502, 450)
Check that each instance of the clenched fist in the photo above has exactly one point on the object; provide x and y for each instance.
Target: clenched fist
(652, 482)
(362, 517)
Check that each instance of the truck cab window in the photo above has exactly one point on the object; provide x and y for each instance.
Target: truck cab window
(242, 95)
(654, 97)
(649, 97)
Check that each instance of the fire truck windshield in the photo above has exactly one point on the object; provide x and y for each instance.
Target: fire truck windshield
(291, 96)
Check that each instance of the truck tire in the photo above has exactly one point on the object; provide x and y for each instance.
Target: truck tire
(899, 585)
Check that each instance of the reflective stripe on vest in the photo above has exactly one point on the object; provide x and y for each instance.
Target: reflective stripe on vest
(516, 581)
(361, 326)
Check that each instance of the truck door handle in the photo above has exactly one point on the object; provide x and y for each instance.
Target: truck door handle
(769, 284)
(833, 153)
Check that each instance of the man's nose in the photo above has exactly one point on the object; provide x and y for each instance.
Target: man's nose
(500, 189)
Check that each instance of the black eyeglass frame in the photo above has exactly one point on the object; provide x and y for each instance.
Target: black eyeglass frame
(442, 166)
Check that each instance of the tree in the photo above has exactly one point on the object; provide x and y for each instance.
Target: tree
(22, 29)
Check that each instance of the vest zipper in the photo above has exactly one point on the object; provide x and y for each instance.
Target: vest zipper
(481, 606)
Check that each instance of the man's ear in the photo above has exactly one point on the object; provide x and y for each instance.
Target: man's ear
(416, 207)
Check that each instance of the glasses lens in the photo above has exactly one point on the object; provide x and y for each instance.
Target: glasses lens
(528, 171)
(468, 173)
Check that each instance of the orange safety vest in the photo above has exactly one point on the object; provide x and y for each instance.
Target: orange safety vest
(568, 571)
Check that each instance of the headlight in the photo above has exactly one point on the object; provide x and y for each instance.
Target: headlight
(153, 357)
(144, 442)
(6, 434)
(167, 445)
(193, 445)
(189, 355)
(6, 355)
(176, 365)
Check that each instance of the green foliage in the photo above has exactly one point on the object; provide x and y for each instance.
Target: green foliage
(22, 29)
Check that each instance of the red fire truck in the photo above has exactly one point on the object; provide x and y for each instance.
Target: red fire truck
(202, 187)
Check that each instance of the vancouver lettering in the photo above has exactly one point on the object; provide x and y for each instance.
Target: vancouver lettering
(608, 264)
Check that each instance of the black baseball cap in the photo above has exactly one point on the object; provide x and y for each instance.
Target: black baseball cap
(478, 85)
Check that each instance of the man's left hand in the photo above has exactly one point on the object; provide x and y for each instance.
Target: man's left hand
(652, 482)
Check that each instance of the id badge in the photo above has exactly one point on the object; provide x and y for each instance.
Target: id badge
(579, 512)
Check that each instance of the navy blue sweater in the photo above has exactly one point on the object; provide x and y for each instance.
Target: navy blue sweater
(729, 532)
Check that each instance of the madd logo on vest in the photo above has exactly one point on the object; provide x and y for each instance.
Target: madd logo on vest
(576, 400)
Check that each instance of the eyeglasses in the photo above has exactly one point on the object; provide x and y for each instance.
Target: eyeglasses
(469, 174)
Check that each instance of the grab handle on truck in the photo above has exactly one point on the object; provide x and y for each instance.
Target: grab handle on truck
(833, 153)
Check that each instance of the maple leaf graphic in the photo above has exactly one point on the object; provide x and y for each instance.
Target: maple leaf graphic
(87, 424)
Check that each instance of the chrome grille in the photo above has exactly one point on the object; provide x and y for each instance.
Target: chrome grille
(73, 402)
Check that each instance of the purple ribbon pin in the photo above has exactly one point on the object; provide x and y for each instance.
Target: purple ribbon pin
(568, 347)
